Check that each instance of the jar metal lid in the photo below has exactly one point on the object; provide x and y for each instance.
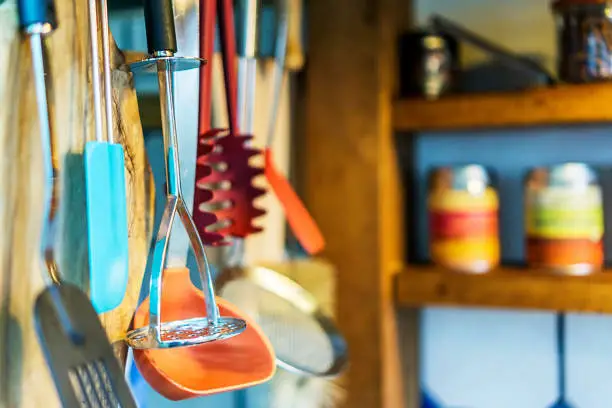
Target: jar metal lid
(470, 177)
(568, 175)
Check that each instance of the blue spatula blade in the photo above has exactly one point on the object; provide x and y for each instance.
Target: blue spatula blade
(107, 224)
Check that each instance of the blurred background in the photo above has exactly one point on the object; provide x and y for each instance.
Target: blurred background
(467, 358)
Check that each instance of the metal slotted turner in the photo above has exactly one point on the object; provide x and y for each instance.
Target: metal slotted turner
(105, 183)
(85, 370)
(82, 362)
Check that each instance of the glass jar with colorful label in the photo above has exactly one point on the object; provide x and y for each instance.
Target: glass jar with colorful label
(463, 219)
(564, 219)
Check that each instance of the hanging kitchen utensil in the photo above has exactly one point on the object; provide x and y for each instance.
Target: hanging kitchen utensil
(229, 159)
(206, 134)
(448, 27)
(562, 401)
(301, 222)
(161, 40)
(187, 372)
(105, 183)
(304, 338)
(82, 362)
(241, 361)
(295, 49)
(84, 367)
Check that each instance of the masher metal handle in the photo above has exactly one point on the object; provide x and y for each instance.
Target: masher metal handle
(165, 78)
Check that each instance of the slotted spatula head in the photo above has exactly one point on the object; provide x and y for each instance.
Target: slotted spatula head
(82, 363)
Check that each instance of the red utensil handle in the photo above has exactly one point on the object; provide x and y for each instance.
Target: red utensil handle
(208, 16)
(302, 224)
(228, 48)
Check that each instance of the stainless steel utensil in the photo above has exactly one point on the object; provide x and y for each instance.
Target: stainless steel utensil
(161, 39)
(107, 232)
(83, 365)
(306, 341)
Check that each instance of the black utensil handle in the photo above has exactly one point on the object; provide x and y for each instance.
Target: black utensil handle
(159, 23)
(36, 12)
(451, 28)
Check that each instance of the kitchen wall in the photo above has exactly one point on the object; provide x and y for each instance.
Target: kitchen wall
(503, 359)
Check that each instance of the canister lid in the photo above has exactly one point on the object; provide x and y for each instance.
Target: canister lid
(568, 175)
(572, 174)
(471, 177)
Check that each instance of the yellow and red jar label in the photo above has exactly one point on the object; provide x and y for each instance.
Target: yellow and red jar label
(464, 229)
(564, 226)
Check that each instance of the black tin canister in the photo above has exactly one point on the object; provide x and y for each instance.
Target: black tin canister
(427, 63)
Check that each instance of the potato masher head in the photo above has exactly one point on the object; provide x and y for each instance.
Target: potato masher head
(190, 332)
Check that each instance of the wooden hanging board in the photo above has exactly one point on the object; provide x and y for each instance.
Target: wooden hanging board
(24, 377)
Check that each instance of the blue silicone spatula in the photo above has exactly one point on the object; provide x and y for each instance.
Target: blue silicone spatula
(105, 183)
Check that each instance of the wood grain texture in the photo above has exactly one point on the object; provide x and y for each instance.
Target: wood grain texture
(29, 383)
(514, 288)
(563, 104)
(352, 185)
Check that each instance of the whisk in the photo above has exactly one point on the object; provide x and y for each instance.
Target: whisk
(227, 152)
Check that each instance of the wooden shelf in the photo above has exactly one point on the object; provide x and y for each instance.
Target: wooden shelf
(563, 104)
(513, 288)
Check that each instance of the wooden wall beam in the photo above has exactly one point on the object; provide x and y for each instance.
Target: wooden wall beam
(352, 185)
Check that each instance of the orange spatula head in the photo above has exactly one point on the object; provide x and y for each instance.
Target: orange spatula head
(220, 366)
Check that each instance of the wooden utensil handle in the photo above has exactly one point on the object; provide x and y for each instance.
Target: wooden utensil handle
(295, 52)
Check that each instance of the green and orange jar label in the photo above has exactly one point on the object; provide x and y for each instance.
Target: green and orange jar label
(564, 227)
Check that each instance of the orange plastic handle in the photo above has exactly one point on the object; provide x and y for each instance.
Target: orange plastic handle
(302, 224)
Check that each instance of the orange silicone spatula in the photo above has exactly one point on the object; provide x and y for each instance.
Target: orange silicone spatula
(301, 222)
(210, 368)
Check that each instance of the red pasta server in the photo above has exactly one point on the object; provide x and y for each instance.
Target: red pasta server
(223, 156)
